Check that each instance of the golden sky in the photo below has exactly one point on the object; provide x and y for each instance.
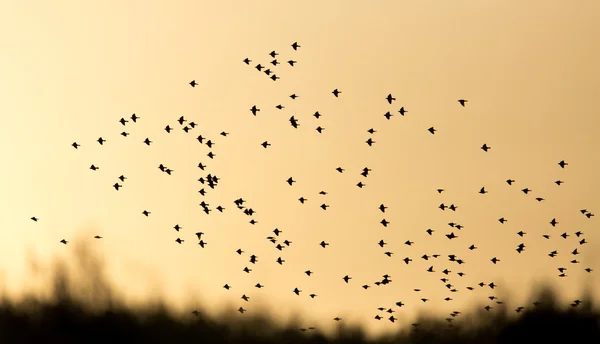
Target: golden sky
(71, 69)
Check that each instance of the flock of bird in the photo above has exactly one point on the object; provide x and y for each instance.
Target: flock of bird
(211, 181)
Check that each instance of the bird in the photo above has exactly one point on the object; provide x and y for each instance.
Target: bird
(294, 122)
(295, 45)
(336, 92)
(432, 130)
(485, 147)
(147, 141)
(265, 144)
(254, 110)
(63, 241)
(462, 102)
(390, 99)
(75, 145)
(247, 61)
(562, 164)
(193, 83)
(402, 111)
(35, 219)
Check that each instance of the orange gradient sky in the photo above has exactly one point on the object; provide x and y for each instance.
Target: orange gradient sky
(71, 69)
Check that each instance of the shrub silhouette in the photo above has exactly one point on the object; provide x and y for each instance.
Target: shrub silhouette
(92, 314)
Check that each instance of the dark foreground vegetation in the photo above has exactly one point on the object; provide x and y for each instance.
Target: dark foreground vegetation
(66, 319)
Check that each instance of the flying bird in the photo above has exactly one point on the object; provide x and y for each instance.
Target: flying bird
(294, 122)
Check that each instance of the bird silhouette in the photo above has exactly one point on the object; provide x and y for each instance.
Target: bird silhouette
(294, 122)
(390, 99)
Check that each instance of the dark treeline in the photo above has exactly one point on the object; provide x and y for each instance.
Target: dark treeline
(68, 318)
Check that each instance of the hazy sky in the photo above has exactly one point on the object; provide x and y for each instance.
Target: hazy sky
(71, 69)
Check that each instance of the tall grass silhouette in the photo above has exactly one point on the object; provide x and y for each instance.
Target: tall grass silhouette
(85, 310)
